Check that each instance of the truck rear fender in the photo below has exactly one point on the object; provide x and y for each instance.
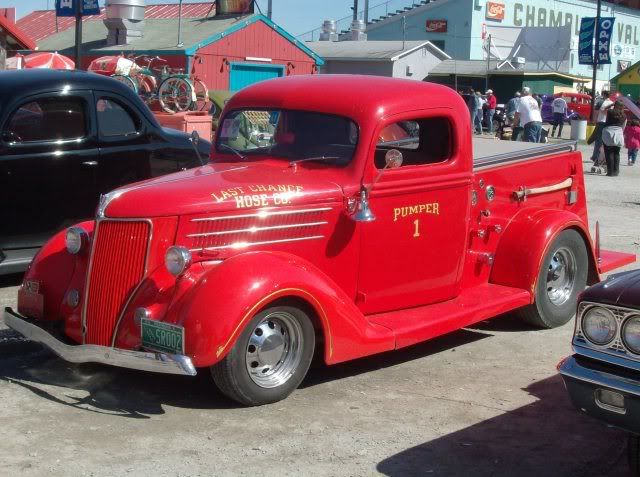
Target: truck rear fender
(228, 295)
(525, 241)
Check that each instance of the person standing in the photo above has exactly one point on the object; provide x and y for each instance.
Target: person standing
(491, 106)
(479, 111)
(472, 104)
(559, 106)
(632, 140)
(602, 105)
(528, 115)
(613, 140)
(512, 106)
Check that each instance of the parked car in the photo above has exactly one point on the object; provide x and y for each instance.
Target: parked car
(340, 237)
(65, 138)
(578, 106)
(603, 375)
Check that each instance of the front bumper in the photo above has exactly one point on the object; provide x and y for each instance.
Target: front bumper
(143, 361)
(585, 382)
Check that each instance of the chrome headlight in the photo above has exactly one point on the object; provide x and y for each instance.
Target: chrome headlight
(76, 239)
(599, 325)
(177, 260)
(631, 333)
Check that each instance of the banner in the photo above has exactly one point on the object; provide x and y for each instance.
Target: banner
(67, 8)
(585, 41)
(603, 40)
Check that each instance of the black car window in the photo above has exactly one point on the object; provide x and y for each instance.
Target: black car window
(47, 119)
(114, 119)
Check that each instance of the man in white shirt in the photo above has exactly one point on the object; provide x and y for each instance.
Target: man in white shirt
(528, 115)
(602, 106)
(559, 106)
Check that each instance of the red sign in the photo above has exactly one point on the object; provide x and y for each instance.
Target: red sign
(437, 26)
(495, 11)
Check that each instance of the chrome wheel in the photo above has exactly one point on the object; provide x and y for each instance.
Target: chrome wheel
(561, 276)
(274, 349)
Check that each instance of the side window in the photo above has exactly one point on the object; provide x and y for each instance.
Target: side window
(421, 141)
(114, 119)
(47, 119)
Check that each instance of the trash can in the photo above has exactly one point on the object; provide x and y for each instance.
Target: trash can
(579, 129)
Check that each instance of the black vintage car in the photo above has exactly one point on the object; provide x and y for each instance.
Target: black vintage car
(603, 376)
(65, 138)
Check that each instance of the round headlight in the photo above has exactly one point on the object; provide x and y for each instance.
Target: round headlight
(76, 239)
(631, 333)
(177, 260)
(599, 325)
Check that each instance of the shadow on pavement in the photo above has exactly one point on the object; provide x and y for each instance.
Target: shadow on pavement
(548, 437)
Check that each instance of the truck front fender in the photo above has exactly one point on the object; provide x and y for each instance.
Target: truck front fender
(525, 241)
(228, 295)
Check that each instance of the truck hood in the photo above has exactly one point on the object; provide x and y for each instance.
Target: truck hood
(219, 187)
(621, 289)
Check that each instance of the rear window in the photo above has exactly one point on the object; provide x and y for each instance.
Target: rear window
(47, 119)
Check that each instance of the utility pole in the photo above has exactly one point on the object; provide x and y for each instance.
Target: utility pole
(269, 9)
(180, 44)
(355, 10)
(595, 66)
(78, 34)
(486, 78)
(366, 11)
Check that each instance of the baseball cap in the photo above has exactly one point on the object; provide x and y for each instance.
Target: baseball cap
(489, 91)
(526, 90)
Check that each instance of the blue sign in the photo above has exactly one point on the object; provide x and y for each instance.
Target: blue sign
(67, 8)
(603, 40)
(585, 40)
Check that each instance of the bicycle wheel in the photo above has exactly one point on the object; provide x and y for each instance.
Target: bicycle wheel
(127, 81)
(201, 96)
(175, 95)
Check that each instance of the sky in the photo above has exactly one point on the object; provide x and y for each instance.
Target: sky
(295, 16)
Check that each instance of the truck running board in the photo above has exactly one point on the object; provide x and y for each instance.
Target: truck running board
(609, 260)
(471, 306)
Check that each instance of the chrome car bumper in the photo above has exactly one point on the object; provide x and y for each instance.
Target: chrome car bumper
(141, 360)
(586, 384)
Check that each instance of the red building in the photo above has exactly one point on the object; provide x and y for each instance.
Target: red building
(226, 52)
(12, 38)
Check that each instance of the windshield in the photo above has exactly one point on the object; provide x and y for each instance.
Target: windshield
(290, 135)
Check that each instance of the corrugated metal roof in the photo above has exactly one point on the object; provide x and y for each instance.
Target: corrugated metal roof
(17, 39)
(479, 68)
(370, 50)
(41, 24)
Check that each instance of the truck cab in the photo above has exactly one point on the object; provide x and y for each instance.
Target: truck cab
(363, 220)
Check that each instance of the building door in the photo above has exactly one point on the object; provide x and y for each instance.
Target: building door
(245, 74)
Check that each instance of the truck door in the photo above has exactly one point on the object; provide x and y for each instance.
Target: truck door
(48, 146)
(412, 254)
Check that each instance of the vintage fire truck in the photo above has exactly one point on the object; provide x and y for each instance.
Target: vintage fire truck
(341, 216)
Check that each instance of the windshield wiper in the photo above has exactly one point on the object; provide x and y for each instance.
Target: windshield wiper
(317, 158)
(235, 151)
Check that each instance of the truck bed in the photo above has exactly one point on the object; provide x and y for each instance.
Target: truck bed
(489, 152)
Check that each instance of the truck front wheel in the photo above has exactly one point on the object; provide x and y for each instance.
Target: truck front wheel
(562, 275)
(270, 358)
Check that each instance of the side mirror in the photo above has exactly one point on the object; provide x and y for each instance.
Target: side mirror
(195, 137)
(362, 212)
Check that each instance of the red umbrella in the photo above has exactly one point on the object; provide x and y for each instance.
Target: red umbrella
(54, 61)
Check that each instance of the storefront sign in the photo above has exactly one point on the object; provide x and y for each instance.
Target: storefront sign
(226, 7)
(585, 41)
(437, 26)
(604, 31)
(67, 8)
(623, 65)
(495, 11)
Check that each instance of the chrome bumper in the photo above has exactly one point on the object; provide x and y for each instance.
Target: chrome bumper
(143, 361)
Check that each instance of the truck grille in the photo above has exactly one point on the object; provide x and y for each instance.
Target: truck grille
(117, 266)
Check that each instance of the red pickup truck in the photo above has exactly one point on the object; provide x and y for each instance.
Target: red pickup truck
(364, 220)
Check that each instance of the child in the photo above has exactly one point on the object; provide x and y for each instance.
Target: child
(632, 140)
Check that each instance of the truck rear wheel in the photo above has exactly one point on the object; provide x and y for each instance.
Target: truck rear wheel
(563, 274)
(270, 358)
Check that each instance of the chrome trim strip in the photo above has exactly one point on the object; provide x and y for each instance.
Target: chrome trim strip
(144, 361)
(572, 369)
(262, 214)
(257, 229)
(251, 244)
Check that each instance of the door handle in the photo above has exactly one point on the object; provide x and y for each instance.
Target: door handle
(90, 163)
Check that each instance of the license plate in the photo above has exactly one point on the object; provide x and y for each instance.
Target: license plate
(30, 299)
(160, 336)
